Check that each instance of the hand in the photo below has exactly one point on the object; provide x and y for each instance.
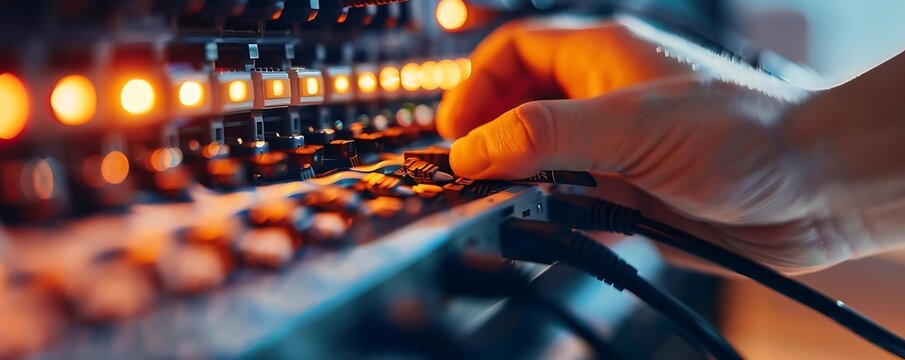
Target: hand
(706, 156)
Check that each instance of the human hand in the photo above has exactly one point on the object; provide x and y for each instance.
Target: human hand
(704, 155)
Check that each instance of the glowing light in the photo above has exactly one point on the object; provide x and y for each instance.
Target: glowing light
(165, 158)
(410, 77)
(39, 176)
(191, 94)
(431, 75)
(276, 88)
(115, 167)
(341, 84)
(465, 67)
(137, 97)
(389, 79)
(312, 87)
(74, 100)
(451, 14)
(452, 75)
(14, 106)
(237, 91)
(367, 82)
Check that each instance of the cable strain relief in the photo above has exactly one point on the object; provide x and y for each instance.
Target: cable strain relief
(588, 255)
(610, 217)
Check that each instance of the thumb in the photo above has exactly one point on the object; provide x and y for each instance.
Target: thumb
(541, 135)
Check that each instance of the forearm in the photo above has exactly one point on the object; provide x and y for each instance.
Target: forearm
(855, 136)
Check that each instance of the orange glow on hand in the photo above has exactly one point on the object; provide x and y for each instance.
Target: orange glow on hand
(237, 91)
(115, 167)
(74, 100)
(451, 14)
(431, 75)
(341, 85)
(191, 94)
(410, 77)
(14, 106)
(312, 87)
(367, 82)
(137, 97)
(389, 79)
(452, 75)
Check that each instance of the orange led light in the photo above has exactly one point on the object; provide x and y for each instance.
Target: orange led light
(14, 106)
(74, 100)
(115, 167)
(451, 14)
(367, 82)
(452, 75)
(137, 97)
(191, 94)
(410, 77)
(41, 186)
(276, 88)
(237, 91)
(341, 85)
(431, 75)
(465, 67)
(312, 87)
(389, 79)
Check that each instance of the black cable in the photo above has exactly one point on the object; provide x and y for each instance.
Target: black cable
(491, 276)
(588, 213)
(538, 241)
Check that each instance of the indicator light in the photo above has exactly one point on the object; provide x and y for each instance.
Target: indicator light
(367, 82)
(451, 14)
(237, 91)
(191, 94)
(14, 106)
(341, 84)
(312, 87)
(410, 77)
(452, 75)
(137, 97)
(431, 75)
(74, 100)
(389, 79)
(276, 88)
(465, 67)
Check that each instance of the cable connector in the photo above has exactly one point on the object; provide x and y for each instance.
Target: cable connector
(588, 213)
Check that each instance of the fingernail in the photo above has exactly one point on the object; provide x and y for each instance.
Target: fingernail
(468, 156)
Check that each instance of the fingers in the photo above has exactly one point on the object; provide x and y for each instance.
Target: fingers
(511, 66)
(543, 135)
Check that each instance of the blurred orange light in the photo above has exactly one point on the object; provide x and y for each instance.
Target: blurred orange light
(451, 14)
(42, 179)
(367, 82)
(74, 100)
(431, 75)
(312, 87)
(14, 106)
(465, 67)
(137, 97)
(452, 75)
(389, 79)
(115, 167)
(191, 94)
(410, 77)
(237, 91)
(341, 84)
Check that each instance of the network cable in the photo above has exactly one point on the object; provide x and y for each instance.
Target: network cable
(588, 213)
(543, 242)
